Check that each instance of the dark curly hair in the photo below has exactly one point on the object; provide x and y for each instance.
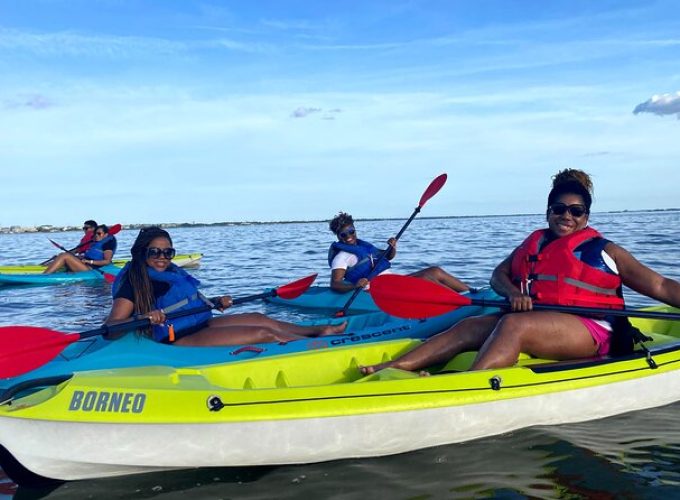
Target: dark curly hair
(340, 221)
(572, 181)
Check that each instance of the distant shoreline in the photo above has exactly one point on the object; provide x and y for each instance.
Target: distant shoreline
(47, 228)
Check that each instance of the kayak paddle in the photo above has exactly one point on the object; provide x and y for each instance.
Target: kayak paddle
(25, 348)
(431, 190)
(115, 229)
(411, 297)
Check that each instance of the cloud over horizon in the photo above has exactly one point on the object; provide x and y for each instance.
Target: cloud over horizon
(664, 104)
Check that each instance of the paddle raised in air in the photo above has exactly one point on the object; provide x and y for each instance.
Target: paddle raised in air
(25, 348)
(411, 297)
(431, 190)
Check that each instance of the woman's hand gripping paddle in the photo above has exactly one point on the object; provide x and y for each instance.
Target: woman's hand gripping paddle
(25, 348)
(411, 297)
(431, 190)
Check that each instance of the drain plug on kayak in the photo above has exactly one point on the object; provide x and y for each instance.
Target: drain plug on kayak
(495, 383)
(214, 403)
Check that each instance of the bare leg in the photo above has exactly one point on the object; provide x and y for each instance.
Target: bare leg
(71, 262)
(544, 334)
(466, 335)
(441, 277)
(281, 327)
(235, 335)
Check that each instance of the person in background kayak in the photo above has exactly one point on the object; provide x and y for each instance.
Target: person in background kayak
(569, 263)
(100, 253)
(150, 285)
(353, 261)
(89, 226)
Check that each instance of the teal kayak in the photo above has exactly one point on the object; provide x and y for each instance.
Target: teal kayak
(59, 278)
(133, 350)
(323, 298)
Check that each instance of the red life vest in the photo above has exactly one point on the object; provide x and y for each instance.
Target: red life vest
(85, 242)
(554, 275)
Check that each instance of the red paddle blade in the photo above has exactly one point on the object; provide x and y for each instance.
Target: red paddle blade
(115, 229)
(411, 297)
(24, 348)
(109, 278)
(296, 288)
(432, 189)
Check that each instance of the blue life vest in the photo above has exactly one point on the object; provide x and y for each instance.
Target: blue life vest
(182, 294)
(368, 255)
(96, 250)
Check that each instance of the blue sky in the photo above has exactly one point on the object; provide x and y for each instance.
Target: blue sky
(181, 111)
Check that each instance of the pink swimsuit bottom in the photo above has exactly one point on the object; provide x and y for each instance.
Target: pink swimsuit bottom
(601, 331)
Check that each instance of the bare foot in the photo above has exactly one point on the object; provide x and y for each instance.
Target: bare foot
(333, 329)
(370, 369)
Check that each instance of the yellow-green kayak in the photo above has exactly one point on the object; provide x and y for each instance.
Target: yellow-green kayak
(310, 407)
(182, 260)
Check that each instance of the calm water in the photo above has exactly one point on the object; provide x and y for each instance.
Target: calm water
(630, 456)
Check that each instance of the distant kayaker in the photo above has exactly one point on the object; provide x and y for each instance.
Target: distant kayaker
(150, 285)
(89, 227)
(100, 253)
(568, 263)
(353, 261)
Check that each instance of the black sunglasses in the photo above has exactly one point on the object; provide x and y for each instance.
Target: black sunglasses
(576, 210)
(155, 253)
(347, 232)
(99, 233)
(87, 228)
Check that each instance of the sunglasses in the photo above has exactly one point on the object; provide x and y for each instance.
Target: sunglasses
(347, 232)
(99, 233)
(155, 253)
(87, 228)
(576, 210)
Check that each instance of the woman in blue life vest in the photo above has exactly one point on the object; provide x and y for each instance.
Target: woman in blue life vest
(150, 285)
(100, 253)
(355, 262)
(568, 263)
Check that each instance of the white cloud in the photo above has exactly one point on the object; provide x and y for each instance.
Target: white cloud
(664, 104)
(303, 111)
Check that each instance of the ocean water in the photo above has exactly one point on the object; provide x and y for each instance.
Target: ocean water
(635, 455)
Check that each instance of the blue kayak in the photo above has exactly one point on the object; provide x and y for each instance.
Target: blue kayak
(133, 350)
(323, 298)
(59, 278)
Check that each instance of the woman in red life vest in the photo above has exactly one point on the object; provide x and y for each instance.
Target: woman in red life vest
(568, 263)
(89, 226)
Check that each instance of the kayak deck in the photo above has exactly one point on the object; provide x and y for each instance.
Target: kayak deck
(182, 260)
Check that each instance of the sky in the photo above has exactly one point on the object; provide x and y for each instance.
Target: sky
(210, 111)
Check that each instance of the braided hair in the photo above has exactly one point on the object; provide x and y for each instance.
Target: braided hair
(137, 272)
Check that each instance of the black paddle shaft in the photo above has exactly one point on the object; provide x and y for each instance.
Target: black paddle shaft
(383, 255)
(581, 310)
